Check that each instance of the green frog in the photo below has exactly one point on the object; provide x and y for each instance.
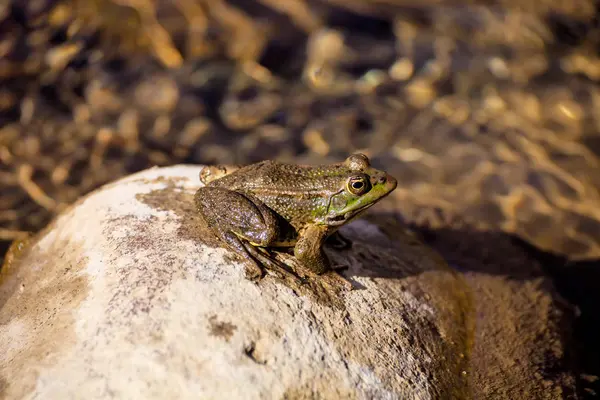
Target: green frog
(271, 205)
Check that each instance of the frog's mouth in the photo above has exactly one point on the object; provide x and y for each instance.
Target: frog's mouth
(345, 217)
(352, 214)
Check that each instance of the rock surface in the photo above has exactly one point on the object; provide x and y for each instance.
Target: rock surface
(125, 295)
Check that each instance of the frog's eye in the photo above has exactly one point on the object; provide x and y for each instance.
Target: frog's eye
(358, 185)
(358, 162)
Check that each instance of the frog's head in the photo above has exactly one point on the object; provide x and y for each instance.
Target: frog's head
(361, 186)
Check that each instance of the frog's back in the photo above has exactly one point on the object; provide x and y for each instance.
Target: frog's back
(276, 177)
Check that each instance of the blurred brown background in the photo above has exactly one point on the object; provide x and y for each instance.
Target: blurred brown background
(487, 112)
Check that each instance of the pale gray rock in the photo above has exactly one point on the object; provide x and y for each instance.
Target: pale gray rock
(125, 295)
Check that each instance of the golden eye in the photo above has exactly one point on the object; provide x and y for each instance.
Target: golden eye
(358, 185)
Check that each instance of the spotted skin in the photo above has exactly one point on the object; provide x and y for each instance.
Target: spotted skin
(275, 205)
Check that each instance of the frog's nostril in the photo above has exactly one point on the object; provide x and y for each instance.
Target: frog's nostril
(381, 180)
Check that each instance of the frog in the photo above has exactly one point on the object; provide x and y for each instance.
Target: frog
(272, 205)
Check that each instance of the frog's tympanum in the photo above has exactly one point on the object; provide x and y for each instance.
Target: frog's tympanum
(274, 205)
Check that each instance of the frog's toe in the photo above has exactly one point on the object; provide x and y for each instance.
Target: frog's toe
(340, 267)
(253, 271)
(211, 173)
(339, 242)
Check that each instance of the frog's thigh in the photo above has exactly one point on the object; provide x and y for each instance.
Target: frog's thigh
(308, 249)
(241, 213)
(261, 225)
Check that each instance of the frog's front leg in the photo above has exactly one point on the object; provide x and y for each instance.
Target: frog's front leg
(237, 217)
(308, 250)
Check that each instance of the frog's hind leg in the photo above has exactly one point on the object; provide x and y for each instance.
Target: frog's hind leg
(255, 258)
(264, 259)
(256, 222)
(243, 222)
(241, 213)
(259, 230)
(253, 269)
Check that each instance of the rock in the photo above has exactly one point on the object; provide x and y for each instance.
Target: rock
(126, 295)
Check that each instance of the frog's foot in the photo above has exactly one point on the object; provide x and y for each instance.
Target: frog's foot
(338, 241)
(276, 266)
(256, 261)
(334, 278)
(253, 269)
(330, 278)
(340, 267)
(213, 172)
(257, 258)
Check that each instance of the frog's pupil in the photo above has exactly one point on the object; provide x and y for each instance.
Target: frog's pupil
(357, 185)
